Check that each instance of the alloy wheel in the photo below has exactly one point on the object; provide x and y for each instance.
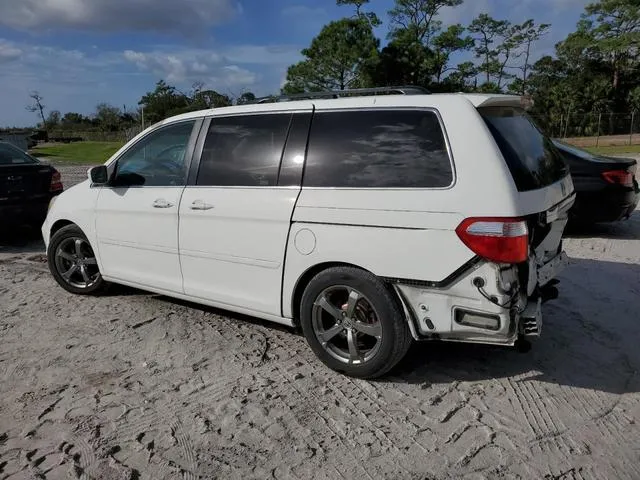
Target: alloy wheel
(346, 325)
(76, 262)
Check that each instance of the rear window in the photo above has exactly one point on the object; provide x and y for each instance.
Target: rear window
(532, 158)
(10, 155)
(377, 149)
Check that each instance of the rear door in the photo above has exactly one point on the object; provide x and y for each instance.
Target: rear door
(236, 211)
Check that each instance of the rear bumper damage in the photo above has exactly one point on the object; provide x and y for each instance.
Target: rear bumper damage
(488, 304)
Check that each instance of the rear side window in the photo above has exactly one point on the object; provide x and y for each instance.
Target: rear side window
(377, 149)
(244, 151)
(10, 155)
(532, 158)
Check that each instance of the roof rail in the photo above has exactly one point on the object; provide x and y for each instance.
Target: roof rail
(402, 90)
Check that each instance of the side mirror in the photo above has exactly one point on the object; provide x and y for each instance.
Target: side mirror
(99, 175)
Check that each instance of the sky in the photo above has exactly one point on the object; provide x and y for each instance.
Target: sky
(78, 53)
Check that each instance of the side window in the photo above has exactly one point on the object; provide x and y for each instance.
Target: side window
(377, 149)
(244, 151)
(158, 160)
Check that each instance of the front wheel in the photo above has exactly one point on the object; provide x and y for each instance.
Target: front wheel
(353, 323)
(72, 262)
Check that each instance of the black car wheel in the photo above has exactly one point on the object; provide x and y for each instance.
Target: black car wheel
(73, 263)
(353, 323)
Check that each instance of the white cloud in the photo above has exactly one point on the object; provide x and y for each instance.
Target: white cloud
(225, 67)
(185, 17)
(186, 65)
(9, 52)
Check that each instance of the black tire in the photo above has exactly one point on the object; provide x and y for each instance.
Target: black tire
(392, 339)
(84, 263)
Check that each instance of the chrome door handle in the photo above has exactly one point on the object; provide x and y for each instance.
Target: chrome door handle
(162, 203)
(200, 205)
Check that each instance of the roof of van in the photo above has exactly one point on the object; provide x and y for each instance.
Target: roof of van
(476, 99)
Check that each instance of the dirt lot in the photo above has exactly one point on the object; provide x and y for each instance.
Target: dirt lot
(138, 386)
(604, 140)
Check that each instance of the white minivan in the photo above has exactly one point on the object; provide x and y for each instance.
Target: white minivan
(369, 220)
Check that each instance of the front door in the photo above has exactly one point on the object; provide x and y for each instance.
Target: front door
(235, 220)
(137, 213)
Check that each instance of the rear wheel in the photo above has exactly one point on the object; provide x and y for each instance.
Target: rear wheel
(72, 262)
(353, 322)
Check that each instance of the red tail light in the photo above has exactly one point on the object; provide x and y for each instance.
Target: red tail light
(56, 182)
(619, 177)
(500, 240)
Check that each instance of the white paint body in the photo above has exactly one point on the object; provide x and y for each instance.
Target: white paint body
(247, 251)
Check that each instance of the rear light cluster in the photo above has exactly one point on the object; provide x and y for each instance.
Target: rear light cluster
(56, 182)
(619, 177)
(499, 240)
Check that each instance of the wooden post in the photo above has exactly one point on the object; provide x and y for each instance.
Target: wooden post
(598, 135)
(633, 117)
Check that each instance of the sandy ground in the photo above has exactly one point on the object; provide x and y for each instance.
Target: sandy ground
(138, 386)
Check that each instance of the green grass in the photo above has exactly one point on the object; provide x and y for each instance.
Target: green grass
(83, 153)
(615, 149)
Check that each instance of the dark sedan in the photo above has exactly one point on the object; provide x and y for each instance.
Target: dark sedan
(606, 187)
(26, 188)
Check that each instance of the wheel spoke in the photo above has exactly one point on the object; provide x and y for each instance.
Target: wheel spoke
(90, 261)
(332, 310)
(371, 329)
(66, 255)
(85, 275)
(354, 352)
(352, 302)
(78, 244)
(327, 335)
(67, 275)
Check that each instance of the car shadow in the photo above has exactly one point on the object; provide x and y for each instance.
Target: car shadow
(21, 240)
(589, 339)
(623, 230)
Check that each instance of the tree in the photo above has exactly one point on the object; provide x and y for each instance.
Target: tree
(71, 118)
(609, 30)
(371, 17)
(205, 99)
(488, 31)
(246, 97)
(461, 79)
(402, 63)
(415, 20)
(163, 102)
(338, 58)
(528, 34)
(37, 106)
(108, 117)
(53, 119)
(634, 99)
(447, 43)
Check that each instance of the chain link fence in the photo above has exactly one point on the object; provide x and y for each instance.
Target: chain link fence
(593, 129)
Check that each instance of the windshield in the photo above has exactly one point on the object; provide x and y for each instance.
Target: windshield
(532, 158)
(10, 155)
